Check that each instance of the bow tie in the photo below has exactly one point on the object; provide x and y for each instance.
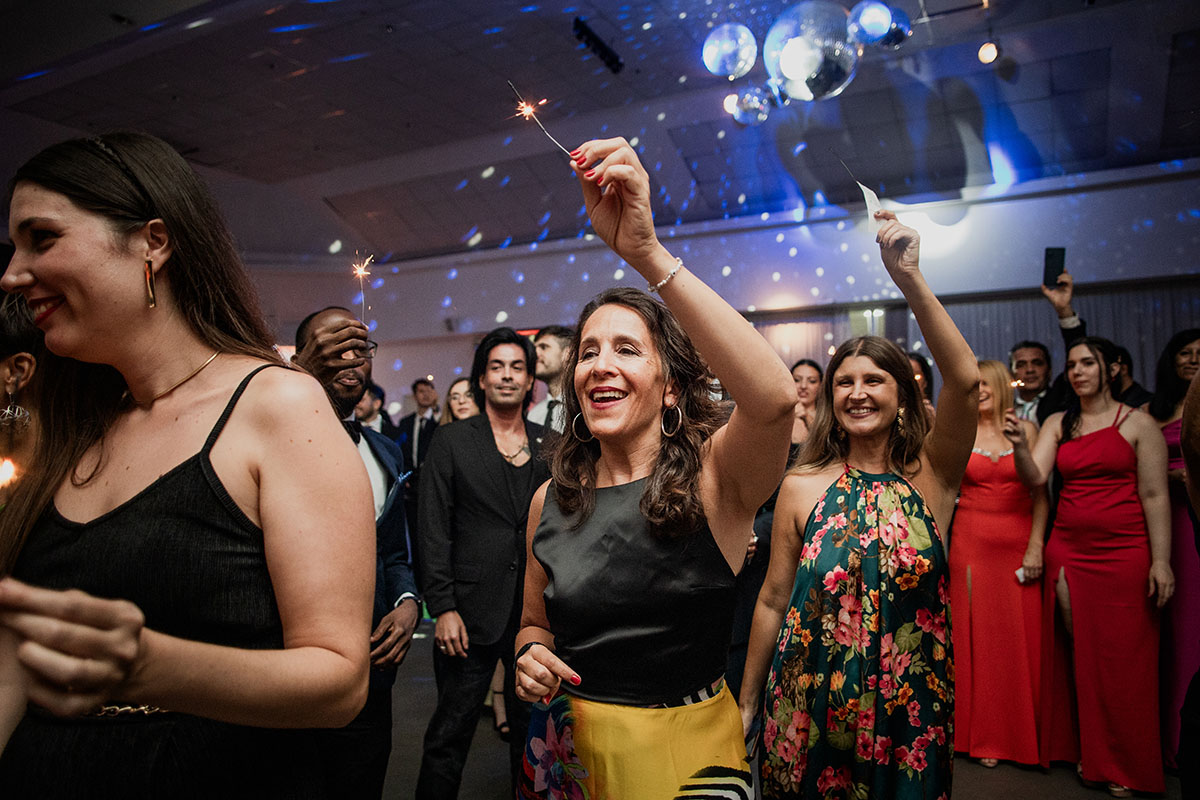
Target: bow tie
(354, 428)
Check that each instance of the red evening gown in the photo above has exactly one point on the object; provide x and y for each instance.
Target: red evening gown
(1101, 685)
(997, 621)
(1181, 616)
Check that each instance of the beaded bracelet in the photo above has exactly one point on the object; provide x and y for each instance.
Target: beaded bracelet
(654, 287)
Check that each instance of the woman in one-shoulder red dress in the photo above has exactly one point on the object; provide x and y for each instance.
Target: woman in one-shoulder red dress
(1107, 567)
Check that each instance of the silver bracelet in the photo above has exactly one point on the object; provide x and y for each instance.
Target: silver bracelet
(654, 287)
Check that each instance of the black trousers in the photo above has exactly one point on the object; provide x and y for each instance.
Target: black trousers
(462, 686)
(356, 756)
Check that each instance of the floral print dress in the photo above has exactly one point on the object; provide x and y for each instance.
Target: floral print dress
(859, 701)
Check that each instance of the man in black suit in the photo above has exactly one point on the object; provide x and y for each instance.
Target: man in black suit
(476, 485)
(370, 412)
(415, 432)
(332, 345)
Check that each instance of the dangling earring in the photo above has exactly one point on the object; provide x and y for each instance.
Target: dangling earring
(900, 421)
(13, 416)
(678, 421)
(575, 429)
(839, 433)
(149, 284)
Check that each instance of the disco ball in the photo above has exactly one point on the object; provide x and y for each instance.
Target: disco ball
(870, 21)
(809, 52)
(752, 106)
(900, 30)
(730, 50)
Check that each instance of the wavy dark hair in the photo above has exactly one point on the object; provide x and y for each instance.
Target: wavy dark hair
(827, 443)
(1169, 388)
(671, 501)
(1106, 353)
(130, 179)
(808, 362)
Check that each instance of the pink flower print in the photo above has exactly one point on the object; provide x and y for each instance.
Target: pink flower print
(770, 731)
(557, 770)
(915, 759)
(883, 749)
(866, 718)
(887, 686)
(901, 754)
(937, 733)
(833, 778)
(797, 730)
(864, 745)
(833, 576)
(932, 623)
(872, 682)
(914, 714)
(943, 591)
(849, 620)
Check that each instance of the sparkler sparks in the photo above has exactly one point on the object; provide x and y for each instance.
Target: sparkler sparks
(8, 471)
(360, 272)
(528, 110)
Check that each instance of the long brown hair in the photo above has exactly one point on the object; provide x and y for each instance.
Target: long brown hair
(827, 443)
(130, 179)
(671, 500)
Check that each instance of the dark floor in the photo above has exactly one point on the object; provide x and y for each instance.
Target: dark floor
(486, 774)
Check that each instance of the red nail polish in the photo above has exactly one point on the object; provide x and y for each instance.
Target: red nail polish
(575, 679)
(589, 173)
(575, 152)
(581, 160)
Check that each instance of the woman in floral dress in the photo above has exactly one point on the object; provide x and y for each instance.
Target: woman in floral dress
(851, 634)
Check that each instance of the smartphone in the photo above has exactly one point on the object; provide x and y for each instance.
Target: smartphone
(1056, 264)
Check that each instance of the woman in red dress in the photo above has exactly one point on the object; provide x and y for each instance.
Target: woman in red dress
(999, 527)
(1178, 365)
(1108, 566)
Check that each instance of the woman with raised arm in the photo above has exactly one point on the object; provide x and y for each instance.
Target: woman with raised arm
(1107, 566)
(637, 539)
(192, 549)
(851, 635)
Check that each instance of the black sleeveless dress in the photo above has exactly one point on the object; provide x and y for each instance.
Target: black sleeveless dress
(187, 556)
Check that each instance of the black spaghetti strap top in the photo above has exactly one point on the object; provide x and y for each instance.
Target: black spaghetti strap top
(184, 552)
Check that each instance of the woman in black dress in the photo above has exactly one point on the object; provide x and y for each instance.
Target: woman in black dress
(216, 499)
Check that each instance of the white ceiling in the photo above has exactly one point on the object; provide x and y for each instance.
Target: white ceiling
(390, 124)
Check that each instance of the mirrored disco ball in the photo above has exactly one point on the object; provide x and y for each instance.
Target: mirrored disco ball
(752, 106)
(730, 50)
(808, 50)
(900, 30)
(870, 21)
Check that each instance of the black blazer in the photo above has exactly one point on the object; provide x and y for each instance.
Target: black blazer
(404, 439)
(472, 535)
(393, 567)
(387, 427)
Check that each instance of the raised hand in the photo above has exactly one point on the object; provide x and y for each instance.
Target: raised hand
(78, 650)
(616, 192)
(899, 246)
(1014, 431)
(539, 674)
(333, 346)
(1061, 294)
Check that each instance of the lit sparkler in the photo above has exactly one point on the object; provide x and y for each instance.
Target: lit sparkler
(529, 111)
(1017, 384)
(360, 272)
(8, 471)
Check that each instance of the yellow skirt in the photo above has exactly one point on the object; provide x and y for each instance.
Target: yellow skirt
(584, 750)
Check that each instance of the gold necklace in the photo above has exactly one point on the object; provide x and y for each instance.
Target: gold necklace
(524, 446)
(173, 386)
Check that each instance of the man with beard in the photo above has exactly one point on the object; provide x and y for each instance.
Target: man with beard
(476, 485)
(333, 346)
(552, 344)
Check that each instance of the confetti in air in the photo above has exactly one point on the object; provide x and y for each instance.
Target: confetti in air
(360, 272)
(529, 111)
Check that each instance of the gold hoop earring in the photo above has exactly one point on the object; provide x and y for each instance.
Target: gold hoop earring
(575, 429)
(150, 301)
(678, 421)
